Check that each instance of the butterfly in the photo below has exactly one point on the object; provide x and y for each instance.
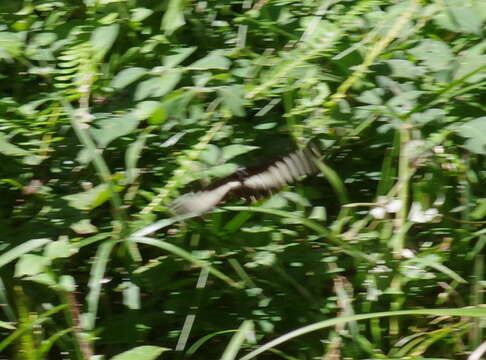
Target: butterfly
(284, 171)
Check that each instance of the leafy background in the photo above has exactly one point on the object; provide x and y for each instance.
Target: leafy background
(111, 109)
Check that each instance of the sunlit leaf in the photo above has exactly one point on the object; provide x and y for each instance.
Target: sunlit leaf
(211, 61)
(103, 38)
(30, 264)
(179, 56)
(157, 86)
(10, 149)
(174, 16)
(231, 151)
(127, 76)
(88, 200)
(475, 132)
(146, 352)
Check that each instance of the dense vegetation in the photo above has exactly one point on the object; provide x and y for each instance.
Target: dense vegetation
(110, 109)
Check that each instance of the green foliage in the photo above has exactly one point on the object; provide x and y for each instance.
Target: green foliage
(110, 109)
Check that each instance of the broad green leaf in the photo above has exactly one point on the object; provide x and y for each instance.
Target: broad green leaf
(146, 352)
(211, 155)
(475, 132)
(233, 98)
(6, 325)
(83, 227)
(21, 249)
(174, 16)
(67, 283)
(111, 128)
(43, 278)
(102, 39)
(127, 76)
(88, 200)
(158, 116)
(145, 109)
(179, 56)
(296, 198)
(10, 45)
(318, 213)
(436, 55)
(44, 38)
(234, 150)
(460, 16)
(140, 14)
(469, 63)
(131, 295)
(30, 264)
(6, 148)
(220, 171)
(158, 86)
(211, 61)
(405, 69)
(59, 249)
(373, 96)
(479, 211)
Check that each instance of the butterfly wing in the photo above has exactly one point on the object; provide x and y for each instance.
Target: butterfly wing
(202, 201)
(282, 172)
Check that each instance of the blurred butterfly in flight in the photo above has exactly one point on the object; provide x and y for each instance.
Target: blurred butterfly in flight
(271, 178)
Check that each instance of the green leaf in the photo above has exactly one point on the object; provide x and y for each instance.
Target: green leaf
(67, 283)
(211, 155)
(131, 295)
(157, 86)
(436, 55)
(43, 278)
(265, 126)
(234, 150)
(460, 17)
(233, 98)
(211, 61)
(6, 148)
(59, 249)
(30, 264)
(174, 16)
(146, 352)
(469, 63)
(6, 325)
(221, 170)
(245, 331)
(90, 199)
(83, 227)
(11, 45)
(102, 39)
(127, 76)
(132, 155)
(145, 109)
(405, 69)
(111, 128)
(180, 55)
(475, 132)
(21, 249)
(140, 14)
(296, 198)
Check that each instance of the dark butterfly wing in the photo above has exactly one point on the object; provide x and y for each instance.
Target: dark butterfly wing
(282, 172)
